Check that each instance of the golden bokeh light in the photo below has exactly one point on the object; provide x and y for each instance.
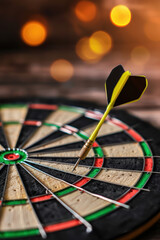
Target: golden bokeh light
(33, 33)
(84, 51)
(152, 30)
(100, 42)
(120, 16)
(61, 70)
(85, 11)
(140, 55)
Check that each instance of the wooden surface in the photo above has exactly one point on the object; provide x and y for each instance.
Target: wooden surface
(26, 74)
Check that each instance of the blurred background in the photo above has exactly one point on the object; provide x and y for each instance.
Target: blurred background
(67, 48)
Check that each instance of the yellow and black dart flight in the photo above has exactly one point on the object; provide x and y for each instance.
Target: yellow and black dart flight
(121, 88)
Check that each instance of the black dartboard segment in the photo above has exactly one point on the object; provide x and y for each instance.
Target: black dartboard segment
(65, 147)
(3, 140)
(49, 217)
(35, 179)
(32, 189)
(65, 160)
(124, 163)
(32, 121)
(4, 173)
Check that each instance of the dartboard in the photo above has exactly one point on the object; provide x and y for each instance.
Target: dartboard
(113, 193)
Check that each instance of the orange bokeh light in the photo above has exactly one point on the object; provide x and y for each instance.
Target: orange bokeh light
(100, 42)
(120, 16)
(61, 70)
(33, 33)
(85, 11)
(84, 51)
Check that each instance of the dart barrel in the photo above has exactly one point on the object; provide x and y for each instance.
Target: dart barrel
(85, 150)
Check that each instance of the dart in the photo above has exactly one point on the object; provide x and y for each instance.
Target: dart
(121, 88)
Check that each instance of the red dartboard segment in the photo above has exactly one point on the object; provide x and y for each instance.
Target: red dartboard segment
(128, 196)
(32, 123)
(98, 162)
(43, 106)
(12, 156)
(95, 144)
(92, 114)
(135, 135)
(61, 226)
(69, 129)
(42, 198)
(148, 164)
(81, 182)
(72, 129)
(65, 130)
(119, 123)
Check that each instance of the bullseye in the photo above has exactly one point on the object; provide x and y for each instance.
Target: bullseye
(12, 156)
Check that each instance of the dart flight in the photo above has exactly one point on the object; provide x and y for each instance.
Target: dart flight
(121, 88)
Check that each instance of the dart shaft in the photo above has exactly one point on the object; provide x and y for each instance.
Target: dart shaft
(95, 132)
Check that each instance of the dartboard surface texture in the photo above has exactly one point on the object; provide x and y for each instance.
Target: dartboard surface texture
(115, 190)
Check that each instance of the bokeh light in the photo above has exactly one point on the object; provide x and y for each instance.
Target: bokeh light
(33, 33)
(120, 16)
(84, 51)
(152, 29)
(140, 55)
(61, 70)
(100, 42)
(85, 11)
